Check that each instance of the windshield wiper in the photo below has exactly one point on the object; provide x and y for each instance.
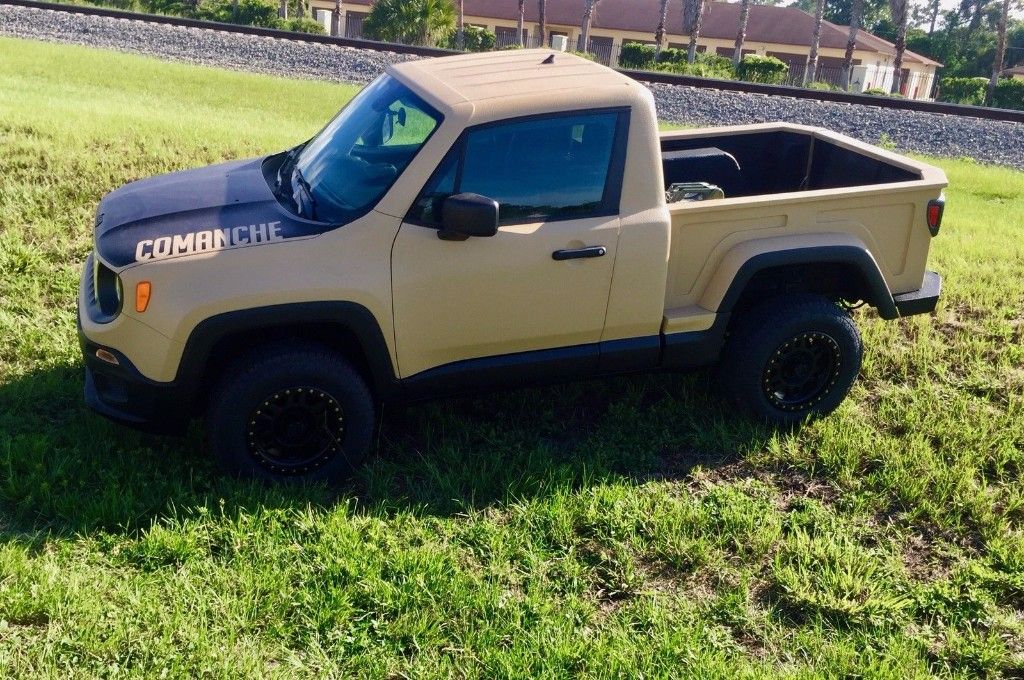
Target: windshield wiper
(302, 185)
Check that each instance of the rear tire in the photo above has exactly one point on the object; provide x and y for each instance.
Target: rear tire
(302, 413)
(792, 359)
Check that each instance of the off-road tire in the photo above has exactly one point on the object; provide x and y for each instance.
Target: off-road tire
(769, 349)
(324, 399)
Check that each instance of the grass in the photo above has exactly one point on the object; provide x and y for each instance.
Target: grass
(622, 528)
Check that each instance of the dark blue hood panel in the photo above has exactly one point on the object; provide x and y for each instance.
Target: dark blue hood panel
(223, 206)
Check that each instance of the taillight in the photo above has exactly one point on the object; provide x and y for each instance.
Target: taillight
(934, 214)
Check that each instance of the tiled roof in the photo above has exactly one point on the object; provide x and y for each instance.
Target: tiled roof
(766, 24)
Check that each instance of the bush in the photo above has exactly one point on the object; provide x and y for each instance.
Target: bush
(876, 91)
(412, 22)
(1009, 94)
(637, 55)
(754, 68)
(249, 13)
(672, 55)
(304, 25)
(590, 56)
(705, 66)
(963, 90)
(822, 85)
(477, 40)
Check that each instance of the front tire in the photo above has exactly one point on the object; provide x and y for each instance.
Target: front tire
(792, 359)
(298, 414)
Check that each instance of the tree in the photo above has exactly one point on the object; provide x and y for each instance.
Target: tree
(659, 33)
(282, 10)
(812, 58)
(413, 22)
(997, 65)
(588, 15)
(741, 32)
(460, 30)
(542, 20)
(898, 8)
(336, 18)
(693, 13)
(522, 20)
(851, 41)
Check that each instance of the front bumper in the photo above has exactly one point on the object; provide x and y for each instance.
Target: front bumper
(923, 300)
(122, 394)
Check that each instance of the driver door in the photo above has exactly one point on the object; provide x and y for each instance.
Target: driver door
(542, 281)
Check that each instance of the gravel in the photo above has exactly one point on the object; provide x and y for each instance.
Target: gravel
(986, 141)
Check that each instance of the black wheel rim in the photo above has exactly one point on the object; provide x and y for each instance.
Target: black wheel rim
(801, 371)
(296, 430)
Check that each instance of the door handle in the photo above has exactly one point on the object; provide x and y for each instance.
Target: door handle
(577, 253)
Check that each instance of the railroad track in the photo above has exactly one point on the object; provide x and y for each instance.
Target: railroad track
(644, 76)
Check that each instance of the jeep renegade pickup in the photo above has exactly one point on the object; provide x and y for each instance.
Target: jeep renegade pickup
(491, 220)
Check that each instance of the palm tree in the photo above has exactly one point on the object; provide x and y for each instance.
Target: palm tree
(856, 11)
(460, 30)
(522, 20)
(282, 9)
(899, 18)
(336, 18)
(659, 34)
(588, 15)
(413, 22)
(693, 13)
(997, 65)
(812, 58)
(542, 28)
(741, 32)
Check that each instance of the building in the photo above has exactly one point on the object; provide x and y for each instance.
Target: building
(1017, 73)
(782, 32)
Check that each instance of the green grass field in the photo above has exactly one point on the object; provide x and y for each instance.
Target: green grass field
(624, 528)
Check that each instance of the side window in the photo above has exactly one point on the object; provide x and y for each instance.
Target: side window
(559, 167)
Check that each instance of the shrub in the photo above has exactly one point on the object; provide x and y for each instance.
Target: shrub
(637, 55)
(413, 22)
(586, 55)
(963, 90)
(1009, 94)
(706, 66)
(822, 85)
(757, 69)
(672, 55)
(304, 25)
(476, 39)
(249, 13)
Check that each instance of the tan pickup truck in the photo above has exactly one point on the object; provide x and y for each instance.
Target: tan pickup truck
(490, 220)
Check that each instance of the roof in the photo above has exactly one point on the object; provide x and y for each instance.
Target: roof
(766, 23)
(480, 76)
(1015, 71)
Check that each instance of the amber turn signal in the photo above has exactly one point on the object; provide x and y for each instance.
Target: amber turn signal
(142, 292)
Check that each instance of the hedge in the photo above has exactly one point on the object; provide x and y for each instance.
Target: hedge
(754, 68)
(637, 55)
(963, 90)
(1009, 94)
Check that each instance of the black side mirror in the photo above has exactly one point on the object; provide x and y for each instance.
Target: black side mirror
(465, 215)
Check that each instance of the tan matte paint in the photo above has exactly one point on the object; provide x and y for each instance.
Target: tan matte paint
(436, 302)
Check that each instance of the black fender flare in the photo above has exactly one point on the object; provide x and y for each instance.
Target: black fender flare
(351, 317)
(859, 258)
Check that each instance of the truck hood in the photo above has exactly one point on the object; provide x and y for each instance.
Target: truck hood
(223, 206)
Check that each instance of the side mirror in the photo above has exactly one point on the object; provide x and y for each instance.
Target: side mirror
(465, 215)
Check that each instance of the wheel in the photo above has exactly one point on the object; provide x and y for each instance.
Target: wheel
(793, 358)
(301, 413)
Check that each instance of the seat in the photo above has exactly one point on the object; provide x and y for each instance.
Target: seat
(708, 164)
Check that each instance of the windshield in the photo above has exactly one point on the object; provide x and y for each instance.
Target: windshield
(343, 171)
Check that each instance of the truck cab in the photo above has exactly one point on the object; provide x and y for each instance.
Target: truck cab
(492, 220)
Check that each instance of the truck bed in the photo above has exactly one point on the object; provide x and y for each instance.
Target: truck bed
(788, 183)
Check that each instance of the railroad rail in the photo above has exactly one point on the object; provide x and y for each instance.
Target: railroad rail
(644, 76)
